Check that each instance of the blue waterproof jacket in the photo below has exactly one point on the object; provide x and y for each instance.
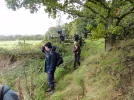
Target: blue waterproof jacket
(50, 59)
(8, 94)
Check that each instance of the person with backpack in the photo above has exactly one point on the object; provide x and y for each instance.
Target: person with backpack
(50, 65)
(7, 94)
(77, 51)
(61, 35)
(76, 37)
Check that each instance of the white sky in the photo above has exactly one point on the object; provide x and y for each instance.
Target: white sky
(22, 22)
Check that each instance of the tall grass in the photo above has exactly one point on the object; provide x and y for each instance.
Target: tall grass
(33, 82)
(95, 79)
(27, 76)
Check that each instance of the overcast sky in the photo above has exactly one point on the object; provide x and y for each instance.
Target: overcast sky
(22, 22)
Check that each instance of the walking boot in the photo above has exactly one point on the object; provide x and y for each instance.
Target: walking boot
(48, 90)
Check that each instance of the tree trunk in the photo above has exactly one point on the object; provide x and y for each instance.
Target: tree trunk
(110, 41)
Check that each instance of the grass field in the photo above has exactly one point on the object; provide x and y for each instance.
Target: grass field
(12, 44)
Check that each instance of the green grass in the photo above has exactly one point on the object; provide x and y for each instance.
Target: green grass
(69, 82)
(94, 81)
(98, 77)
(14, 44)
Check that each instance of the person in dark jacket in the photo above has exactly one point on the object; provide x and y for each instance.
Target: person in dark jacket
(61, 35)
(50, 65)
(7, 94)
(76, 37)
(77, 52)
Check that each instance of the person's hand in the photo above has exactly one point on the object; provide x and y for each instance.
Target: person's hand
(42, 46)
(76, 47)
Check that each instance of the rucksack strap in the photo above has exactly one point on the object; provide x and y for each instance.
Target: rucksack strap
(1, 92)
(5, 91)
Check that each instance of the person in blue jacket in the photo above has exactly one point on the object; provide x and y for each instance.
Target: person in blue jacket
(50, 65)
(7, 94)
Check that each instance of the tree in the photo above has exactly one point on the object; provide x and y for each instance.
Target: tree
(83, 24)
(112, 16)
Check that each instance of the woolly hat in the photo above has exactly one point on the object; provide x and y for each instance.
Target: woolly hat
(48, 44)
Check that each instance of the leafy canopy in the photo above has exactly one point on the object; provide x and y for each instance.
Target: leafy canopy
(111, 16)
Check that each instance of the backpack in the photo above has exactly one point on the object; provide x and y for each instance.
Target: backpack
(59, 59)
(76, 37)
(0, 92)
(62, 38)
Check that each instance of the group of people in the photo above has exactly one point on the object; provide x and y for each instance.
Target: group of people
(50, 62)
(50, 66)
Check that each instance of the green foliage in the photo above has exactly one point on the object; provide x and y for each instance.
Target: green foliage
(108, 14)
(3, 51)
(98, 32)
(115, 30)
(31, 71)
(33, 66)
(63, 84)
(89, 27)
(83, 25)
(91, 80)
(40, 85)
(53, 30)
(93, 47)
(113, 63)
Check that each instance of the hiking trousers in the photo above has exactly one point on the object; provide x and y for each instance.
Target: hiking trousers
(76, 60)
(50, 79)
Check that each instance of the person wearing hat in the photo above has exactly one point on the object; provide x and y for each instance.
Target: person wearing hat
(7, 94)
(50, 65)
(77, 52)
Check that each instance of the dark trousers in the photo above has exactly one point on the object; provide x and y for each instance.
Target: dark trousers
(50, 79)
(76, 60)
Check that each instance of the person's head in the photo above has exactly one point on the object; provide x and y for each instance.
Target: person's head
(59, 32)
(48, 46)
(76, 44)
